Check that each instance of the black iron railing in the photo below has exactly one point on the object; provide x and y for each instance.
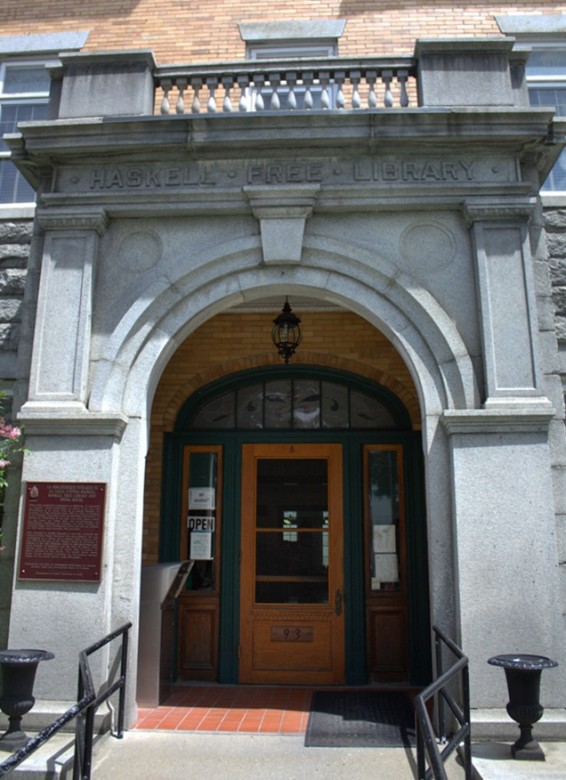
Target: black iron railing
(452, 688)
(84, 711)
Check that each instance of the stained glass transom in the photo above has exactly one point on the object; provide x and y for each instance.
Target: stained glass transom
(292, 404)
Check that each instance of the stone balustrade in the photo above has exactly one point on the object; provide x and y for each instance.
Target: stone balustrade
(483, 72)
(287, 85)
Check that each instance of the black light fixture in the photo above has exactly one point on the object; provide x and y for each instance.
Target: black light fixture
(286, 333)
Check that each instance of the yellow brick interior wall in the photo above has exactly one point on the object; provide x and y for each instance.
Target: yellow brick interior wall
(180, 31)
(229, 343)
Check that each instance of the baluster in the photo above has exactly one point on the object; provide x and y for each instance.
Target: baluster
(387, 75)
(212, 84)
(227, 83)
(275, 81)
(324, 77)
(166, 85)
(355, 76)
(181, 87)
(339, 79)
(371, 78)
(196, 84)
(402, 76)
(259, 82)
(244, 83)
(291, 79)
(308, 78)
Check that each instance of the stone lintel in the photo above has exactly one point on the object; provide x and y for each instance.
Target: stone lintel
(69, 218)
(282, 213)
(528, 419)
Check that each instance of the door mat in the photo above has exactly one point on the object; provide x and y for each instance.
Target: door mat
(360, 719)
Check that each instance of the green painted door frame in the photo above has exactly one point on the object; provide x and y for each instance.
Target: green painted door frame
(352, 442)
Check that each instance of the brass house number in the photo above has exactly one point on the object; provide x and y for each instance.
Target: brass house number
(291, 633)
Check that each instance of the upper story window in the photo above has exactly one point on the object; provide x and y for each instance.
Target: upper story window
(24, 92)
(302, 96)
(291, 39)
(545, 35)
(546, 78)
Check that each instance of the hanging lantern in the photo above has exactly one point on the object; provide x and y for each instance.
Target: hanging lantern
(286, 332)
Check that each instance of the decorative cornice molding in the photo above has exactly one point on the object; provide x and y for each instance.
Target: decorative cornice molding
(498, 210)
(65, 422)
(68, 218)
(529, 419)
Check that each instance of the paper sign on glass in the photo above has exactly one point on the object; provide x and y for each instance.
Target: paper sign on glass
(202, 498)
(201, 546)
(384, 539)
(386, 567)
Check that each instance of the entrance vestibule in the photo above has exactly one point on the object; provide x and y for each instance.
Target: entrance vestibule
(301, 503)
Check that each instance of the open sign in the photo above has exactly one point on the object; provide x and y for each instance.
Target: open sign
(200, 523)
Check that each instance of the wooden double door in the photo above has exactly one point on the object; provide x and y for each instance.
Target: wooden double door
(305, 578)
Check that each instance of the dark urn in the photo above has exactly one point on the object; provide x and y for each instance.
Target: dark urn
(18, 676)
(523, 674)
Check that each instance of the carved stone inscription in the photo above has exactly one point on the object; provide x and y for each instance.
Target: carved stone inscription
(363, 171)
(62, 534)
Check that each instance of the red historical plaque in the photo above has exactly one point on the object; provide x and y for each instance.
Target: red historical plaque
(62, 533)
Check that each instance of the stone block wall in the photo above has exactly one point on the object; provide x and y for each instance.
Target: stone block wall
(15, 238)
(555, 226)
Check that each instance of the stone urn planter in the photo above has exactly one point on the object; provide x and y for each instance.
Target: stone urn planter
(523, 674)
(18, 677)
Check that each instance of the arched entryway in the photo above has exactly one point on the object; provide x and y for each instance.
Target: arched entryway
(298, 491)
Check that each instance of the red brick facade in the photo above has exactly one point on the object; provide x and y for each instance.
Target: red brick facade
(181, 31)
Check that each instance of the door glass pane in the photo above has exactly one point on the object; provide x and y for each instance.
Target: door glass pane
(278, 404)
(384, 511)
(292, 531)
(216, 414)
(306, 404)
(250, 407)
(334, 405)
(366, 412)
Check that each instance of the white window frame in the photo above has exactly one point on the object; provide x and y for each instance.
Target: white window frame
(21, 98)
(554, 81)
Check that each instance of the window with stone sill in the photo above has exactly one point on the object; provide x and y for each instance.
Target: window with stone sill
(546, 78)
(24, 93)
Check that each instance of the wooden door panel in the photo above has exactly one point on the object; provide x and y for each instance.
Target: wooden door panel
(198, 638)
(290, 628)
(292, 644)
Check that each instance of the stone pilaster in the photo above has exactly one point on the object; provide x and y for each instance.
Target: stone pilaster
(507, 303)
(61, 351)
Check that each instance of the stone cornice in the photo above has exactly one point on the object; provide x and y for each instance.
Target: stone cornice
(65, 422)
(529, 419)
(69, 218)
(497, 210)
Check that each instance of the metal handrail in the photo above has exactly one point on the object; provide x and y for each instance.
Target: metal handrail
(87, 702)
(427, 743)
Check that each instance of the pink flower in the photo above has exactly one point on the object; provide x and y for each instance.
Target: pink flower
(4, 464)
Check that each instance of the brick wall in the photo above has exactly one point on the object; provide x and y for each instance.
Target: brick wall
(183, 31)
(235, 342)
